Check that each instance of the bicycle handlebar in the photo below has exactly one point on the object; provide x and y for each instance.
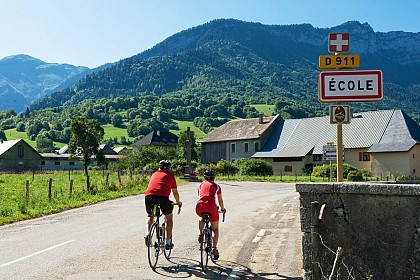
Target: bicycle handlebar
(224, 214)
(179, 206)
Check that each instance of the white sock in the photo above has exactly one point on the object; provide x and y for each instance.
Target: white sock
(168, 241)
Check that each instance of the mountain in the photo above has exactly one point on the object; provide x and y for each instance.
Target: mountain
(264, 62)
(24, 79)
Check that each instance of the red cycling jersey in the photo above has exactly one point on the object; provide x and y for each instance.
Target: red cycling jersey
(207, 192)
(161, 183)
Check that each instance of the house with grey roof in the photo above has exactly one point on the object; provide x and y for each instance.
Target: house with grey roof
(165, 139)
(237, 139)
(17, 155)
(63, 160)
(383, 142)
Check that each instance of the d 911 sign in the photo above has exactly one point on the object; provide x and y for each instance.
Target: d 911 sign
(350, 86)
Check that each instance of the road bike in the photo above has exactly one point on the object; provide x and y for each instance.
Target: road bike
(156, 237)
(206, 242)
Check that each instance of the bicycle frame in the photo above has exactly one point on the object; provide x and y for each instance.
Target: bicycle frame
(156, 235)
(207, 241)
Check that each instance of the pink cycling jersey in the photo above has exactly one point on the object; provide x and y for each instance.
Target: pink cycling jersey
(207, 192)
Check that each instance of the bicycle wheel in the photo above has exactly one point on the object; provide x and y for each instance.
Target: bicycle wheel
(205, 249)
(167, 253)
(153, 249)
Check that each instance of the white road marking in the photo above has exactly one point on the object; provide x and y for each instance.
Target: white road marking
(36, 253)
(273, 215)
(296, 197)
(260, 235)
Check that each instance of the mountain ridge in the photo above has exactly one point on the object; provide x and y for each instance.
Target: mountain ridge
(228, 56)
(24, 79)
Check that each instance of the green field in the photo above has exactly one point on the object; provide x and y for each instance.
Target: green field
(183, 127)
(110, 132)
(267, 110)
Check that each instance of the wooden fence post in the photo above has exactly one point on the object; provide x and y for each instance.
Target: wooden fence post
(316, 256)
(119, 177)
(71, 187)
(87, 183)
(107, 180)
(50, 189)
(27, 191)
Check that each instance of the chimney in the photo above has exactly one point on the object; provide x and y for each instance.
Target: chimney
(261, 120)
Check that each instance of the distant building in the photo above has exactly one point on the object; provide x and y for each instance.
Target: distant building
(163, 139)
(62, 160)
(382, 142)
(17, 155)
(237, 139)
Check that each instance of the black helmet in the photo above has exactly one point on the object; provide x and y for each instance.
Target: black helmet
(209, 175)
(164, 164)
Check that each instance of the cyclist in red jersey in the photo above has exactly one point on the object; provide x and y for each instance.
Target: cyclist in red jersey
(207, 192)
(161, 184)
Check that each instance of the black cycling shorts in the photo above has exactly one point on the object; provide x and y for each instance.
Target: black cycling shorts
(163, 201)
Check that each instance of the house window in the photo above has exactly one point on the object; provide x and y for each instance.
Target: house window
(317, 158)
(56, 163)
(233, 147)
(246, 147)
(257, 146)
(42, 162)
(20, 151)
(288, 168)
(71, 163)
(364, 156)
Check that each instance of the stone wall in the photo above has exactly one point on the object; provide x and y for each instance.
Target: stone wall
(377, 225)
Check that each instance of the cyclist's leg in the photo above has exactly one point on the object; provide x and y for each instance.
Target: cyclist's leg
(149, 201)
(169, 226)
(215, 227)
(167, 208)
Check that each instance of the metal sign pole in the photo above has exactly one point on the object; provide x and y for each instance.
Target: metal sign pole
(339, 152)
(339, 136)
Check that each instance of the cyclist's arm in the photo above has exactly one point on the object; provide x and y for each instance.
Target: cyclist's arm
(176, 196)
(221, 204)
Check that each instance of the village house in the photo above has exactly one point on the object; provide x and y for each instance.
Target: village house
(382, 142)
(62, 159)
(237, 139)
(17, 155)
(162, 139)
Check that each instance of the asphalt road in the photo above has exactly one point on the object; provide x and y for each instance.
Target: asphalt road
(260, 239)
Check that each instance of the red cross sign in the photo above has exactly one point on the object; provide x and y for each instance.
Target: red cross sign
(338, 42)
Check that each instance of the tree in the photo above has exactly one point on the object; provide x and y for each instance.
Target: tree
(86, 135)
(117, 120)
(44, 144)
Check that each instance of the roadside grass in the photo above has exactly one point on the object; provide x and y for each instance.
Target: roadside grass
(15, 205)
(267, 110)
(17, 202)
(272, 179)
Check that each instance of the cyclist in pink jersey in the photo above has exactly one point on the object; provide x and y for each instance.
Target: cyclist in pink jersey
(207, 192)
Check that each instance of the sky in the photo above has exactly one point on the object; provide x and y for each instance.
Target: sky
(94, 32)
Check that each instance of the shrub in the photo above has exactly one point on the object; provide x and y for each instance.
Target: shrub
(355, 175)
(255, 167)
(224, 167)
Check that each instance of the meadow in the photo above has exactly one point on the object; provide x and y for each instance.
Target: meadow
(34, 194)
